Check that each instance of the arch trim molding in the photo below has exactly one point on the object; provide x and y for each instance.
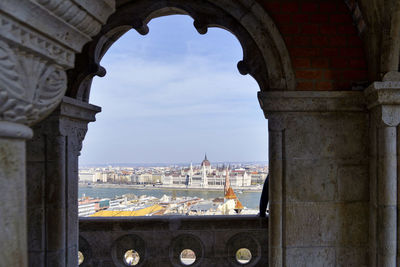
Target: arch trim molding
(265, 56)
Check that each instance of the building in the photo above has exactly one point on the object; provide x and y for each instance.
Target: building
(206, 176)
(86, 176)
(87, 209)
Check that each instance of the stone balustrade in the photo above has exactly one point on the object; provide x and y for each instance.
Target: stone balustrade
(174, 241)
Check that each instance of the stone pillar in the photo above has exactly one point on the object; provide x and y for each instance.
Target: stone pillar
(12, 193)
(38, 43)
(383, 100)
(276, 161)
(318, 178)
(52, 179)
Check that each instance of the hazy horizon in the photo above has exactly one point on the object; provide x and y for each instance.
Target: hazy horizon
(156, 164)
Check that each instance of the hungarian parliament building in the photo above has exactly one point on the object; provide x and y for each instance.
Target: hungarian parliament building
(203, 176)
(206, 176)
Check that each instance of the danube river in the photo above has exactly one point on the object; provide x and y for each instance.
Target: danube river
(250, 200)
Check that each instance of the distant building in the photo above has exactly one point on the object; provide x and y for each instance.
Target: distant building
(206, 176)
(86, 176)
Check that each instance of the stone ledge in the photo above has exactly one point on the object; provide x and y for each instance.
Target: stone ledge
(159, 240)
(178, 222)
(311, 101)
(383, 93)
(76, 109)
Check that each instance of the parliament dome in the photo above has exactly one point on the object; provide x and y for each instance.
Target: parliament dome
(205, 162)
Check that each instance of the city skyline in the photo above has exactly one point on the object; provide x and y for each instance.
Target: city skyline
(172, 95)
(161, 164)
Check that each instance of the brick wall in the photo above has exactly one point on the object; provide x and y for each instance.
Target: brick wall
(326, 51)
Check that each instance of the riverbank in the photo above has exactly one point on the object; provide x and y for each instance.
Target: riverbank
(163, 187)
(249, 199)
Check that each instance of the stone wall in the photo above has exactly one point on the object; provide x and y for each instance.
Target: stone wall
(319, 189)
(159, 240)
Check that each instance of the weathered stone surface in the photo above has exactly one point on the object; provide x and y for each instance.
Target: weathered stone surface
(384, 104)
(353, 184)
(333, 135)
(311, 180)
(351, 257)
(13, 244)
(105, 240)
(53, 182)
(319, 146)
(305, 257)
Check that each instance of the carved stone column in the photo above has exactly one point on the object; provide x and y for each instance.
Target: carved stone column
(318, 178)
(52, 177)
(12, 193)
(384, 105)
(38, 43)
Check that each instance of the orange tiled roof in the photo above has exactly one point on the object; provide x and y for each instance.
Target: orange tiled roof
(230, 194)
(239, 205)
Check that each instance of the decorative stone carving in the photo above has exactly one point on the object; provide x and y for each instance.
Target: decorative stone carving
(73, 14)
(80, 134)
(36, 50)
(17, 33)
(31, 86)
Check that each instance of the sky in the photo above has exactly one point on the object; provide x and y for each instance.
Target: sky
(173, 95)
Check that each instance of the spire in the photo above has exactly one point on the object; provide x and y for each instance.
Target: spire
(204, 176)
(227, 182)
(205, 156)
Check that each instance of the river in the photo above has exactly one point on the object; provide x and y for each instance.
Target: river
(250, 200)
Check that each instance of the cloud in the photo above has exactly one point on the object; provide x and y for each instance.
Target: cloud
(189, 87)
(173, 107)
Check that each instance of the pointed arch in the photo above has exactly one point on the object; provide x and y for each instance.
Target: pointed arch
(265, 56)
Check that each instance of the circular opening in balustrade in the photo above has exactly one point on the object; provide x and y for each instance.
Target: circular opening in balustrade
(131, 258)
(187, 257)
(81, 258)
(243, 256)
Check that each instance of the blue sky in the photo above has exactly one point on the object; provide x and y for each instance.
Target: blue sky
(171, 96)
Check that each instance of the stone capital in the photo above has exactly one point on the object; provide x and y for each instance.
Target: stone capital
(273, 102)
(70, 118)
(383, 99)
(38, 43)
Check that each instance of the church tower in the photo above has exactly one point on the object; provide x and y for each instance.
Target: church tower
(206, 164)
(204, 178)
(227, 183)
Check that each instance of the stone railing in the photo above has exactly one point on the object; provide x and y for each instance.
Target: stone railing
(174, 241)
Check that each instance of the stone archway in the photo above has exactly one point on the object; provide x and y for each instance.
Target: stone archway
(265, 56)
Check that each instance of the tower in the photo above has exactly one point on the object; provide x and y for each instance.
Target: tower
(206, 164)
(204, 179)
(227, 183)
